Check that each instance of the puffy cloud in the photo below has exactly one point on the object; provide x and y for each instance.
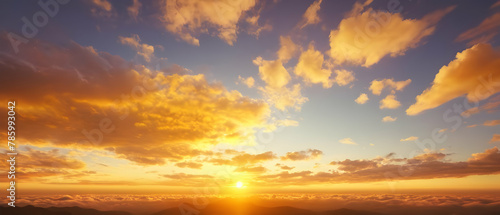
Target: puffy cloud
(283, 98)
(473, 73)
(389, 102)
(363, 98)
(348, 141)
(343, 77)
(249, 82)
(376, 86)
(187, 18)
(75, 96)
(243, 159)
(186, 164)
(495, 138)
(389, 119)
(311, 17)
(412, 138)
(302, 155)
(133, 10)
(144, 50)
(287, 50)
(487, 26)
(363, 38)
(310, 68)
(491, 122)
(272, 72)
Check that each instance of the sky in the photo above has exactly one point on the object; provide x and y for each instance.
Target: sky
(162, 96)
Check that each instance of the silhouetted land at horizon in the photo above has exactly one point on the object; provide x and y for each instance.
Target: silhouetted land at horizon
(230, 208)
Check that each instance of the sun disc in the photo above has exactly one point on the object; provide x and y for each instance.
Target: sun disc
(239, 184)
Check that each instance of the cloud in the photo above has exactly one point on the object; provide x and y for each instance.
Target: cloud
(310, 68)
(254, 28)
(243, 158)
(134, 9)
(74, 96)
(354, 165)
(348, 141)
(487, 28)
(495, 5)
(284, 98)
(423, 166)
(249, 82)
(376, 86)
(191, 17)
(102, 8)
(144, 50)
(284, 167)
(272, 72)
(389, 119)
(302, 155)
(492, 122)
(186, 164)
(288, 49)
(311, 17)
(256, 169)
(495, 138)
(389, 102)
(363, 98)
(364, 38)
(412, 138)
(343, 77)
(473, 73)
(39, 164)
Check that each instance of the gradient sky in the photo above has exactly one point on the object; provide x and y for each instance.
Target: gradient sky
(269, 93)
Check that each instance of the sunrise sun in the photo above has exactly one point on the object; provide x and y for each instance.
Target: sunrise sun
(239, 184)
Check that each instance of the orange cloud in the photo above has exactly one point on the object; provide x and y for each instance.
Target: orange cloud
(487, 26)
(389, 102)
(302, 155)
(389, 119)
(311, 17)
(364, 38)
(192, 165)
(104, 102)
(134, 9)
(144, 50)
(363, 98)
(288, 49)
(310, 68)
(492, 122)
(473, 73)
(376, 86)
(412, 138)
(188, 18)
(495, 138)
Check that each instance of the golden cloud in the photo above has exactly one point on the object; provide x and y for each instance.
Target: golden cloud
(302, 155)
(412, 138)
(389, 102)
(144, 50)
(77, 97)
(347, 141)
(363, 98)
(311, 17)
(389, 119)
(190, 17)
(363, 38)
(310, 68)
(376, 86)
(473, 73)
